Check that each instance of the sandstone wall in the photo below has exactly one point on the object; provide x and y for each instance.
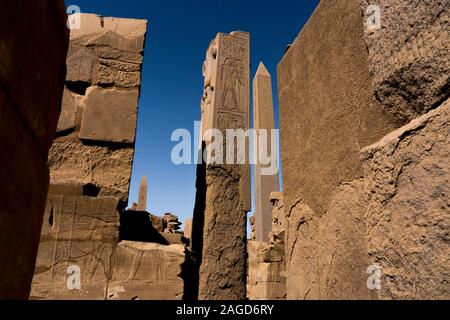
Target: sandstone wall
(407, 187)
(266, 278)
(387, 205)
(33, 47)
(83, 231)
(97, 128)
(223, 190)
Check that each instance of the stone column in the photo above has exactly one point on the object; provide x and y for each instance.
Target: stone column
(142, 200)
(265, 184)
(226, 199)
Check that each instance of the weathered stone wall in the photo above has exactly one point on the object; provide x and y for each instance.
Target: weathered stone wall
(90, 165)
(407, 185)
(97, 128)
(78, 230)
(385, 206)
(33, 47)
(264, 183)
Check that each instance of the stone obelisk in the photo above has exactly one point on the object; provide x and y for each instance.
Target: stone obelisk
(142, 198)
(227, 200)
(263, 120)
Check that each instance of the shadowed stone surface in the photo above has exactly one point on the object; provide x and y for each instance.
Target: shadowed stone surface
(31, 90)
(80, 61)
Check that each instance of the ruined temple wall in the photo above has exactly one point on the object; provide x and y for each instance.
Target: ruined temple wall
(97, 128)
(33, 47)
(350, 209)
(90, 165)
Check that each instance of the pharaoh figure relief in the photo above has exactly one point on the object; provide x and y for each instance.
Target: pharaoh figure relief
(232, 73)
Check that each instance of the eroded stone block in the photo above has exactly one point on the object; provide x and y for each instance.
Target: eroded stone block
(67, 119)
(110, 115)
(148, 271)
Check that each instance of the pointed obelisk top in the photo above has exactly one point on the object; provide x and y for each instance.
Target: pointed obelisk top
(262, 70)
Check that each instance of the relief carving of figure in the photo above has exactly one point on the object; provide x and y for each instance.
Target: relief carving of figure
(232, 71)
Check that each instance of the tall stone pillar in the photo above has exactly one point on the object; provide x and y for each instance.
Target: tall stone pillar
(33, 48)
(265, 182)
(226, 194)
(142, 198)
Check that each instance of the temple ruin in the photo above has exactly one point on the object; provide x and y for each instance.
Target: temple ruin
(85, 224)
(365, 146)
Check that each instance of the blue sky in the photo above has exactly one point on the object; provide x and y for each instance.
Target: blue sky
(178, 35)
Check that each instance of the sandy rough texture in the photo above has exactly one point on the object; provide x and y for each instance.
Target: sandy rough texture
(83, 231)
(266, 278)
(327, 256)
(147, 271)
(110, 115)
(77, 231)
(107, 167)
(266, 261)
(31, 90)
(328, 112)
(409, 57)
(408, 216)
(97, 128)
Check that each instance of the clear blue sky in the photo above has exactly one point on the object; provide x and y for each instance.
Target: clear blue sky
(178, 35)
